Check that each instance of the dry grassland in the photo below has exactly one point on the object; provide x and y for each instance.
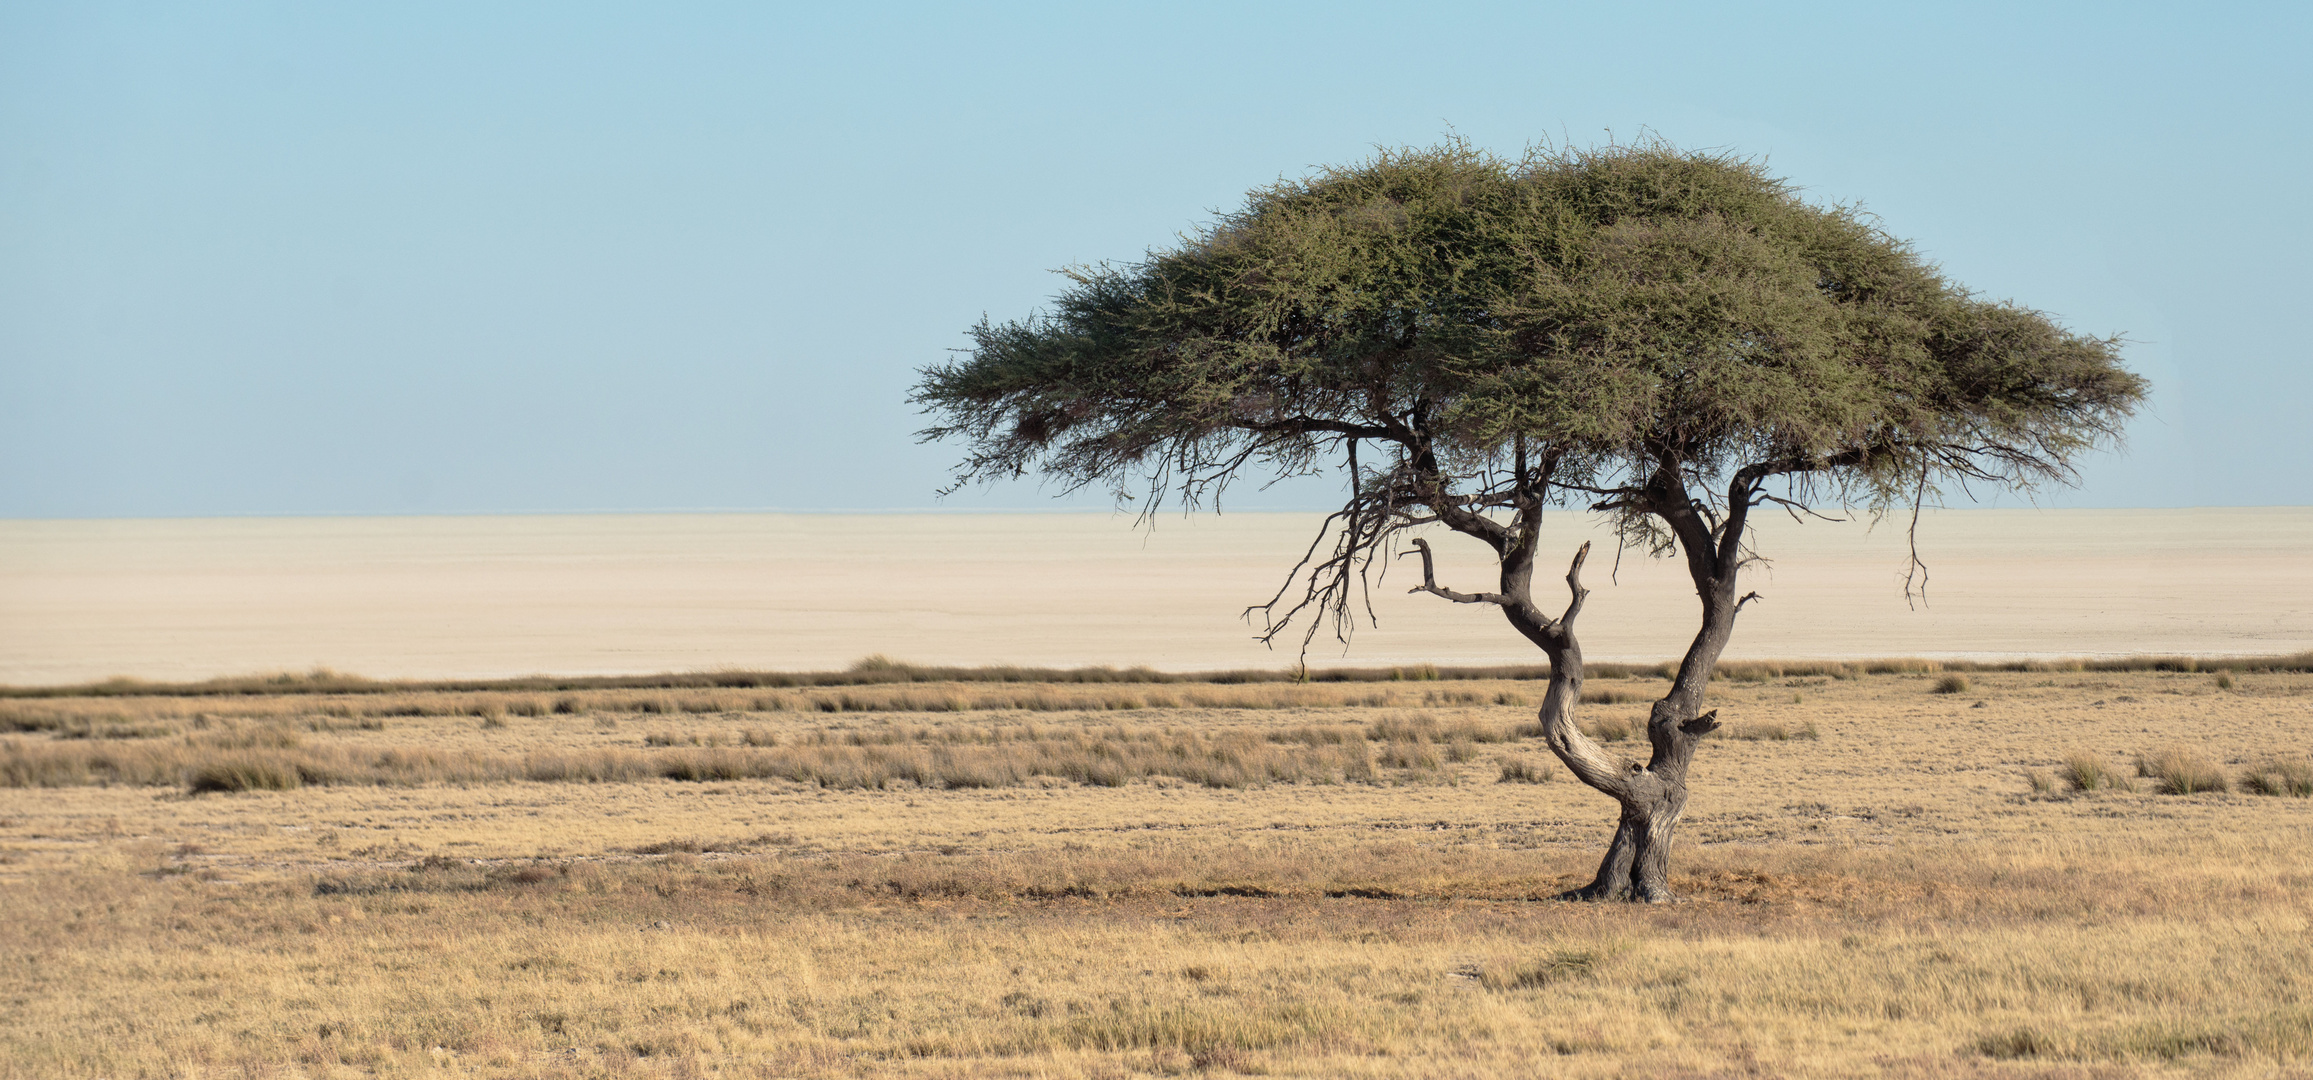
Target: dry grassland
(1915, 874)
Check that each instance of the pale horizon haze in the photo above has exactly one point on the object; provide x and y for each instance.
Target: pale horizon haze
(513, 595)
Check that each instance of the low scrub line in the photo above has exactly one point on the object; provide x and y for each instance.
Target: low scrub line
(145, 718)
(878, 670)
(1396, 749)
(2175, 770)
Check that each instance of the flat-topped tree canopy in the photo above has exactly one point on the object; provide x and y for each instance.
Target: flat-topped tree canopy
(1673, 337)
(1625, 316)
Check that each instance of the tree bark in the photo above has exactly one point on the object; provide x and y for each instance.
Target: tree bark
(1653, 796)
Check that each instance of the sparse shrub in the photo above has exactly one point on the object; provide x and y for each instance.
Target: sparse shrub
(1562, 966)
(1404, 727)
(249, 773)
(86, 728)
(1220, 1057)
(1771, 731)
(266, 737)
(1519, 770)
(1609, 729)
(1614, 697)
(531, 874)
(1453, 697)
(565, 706)
(2176, 770)
(1475, 730)
(2088, 772)
(1952, 684)
(2281, 776)
(1425, 727)
(1418, 756)
(2224, 680)
(601, 766)
(325, 723)
(1320, 735)
(2023, 1042)
(688, 845)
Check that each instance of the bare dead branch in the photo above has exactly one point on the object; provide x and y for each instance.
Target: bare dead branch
(1919, 496)
(1796, 508)
(1430, 581)
(1574, 586)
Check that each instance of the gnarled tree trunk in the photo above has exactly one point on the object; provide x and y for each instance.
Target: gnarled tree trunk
(1652, 796)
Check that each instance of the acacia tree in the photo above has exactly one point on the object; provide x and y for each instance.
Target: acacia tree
(1676, 339)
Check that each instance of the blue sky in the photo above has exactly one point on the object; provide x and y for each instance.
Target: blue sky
(437, 258)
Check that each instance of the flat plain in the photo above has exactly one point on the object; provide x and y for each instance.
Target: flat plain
(1909, 873)
(438, 597)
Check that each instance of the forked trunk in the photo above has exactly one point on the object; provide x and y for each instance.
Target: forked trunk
(1652, 796)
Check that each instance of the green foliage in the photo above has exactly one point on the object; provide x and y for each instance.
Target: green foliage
(1617, 312)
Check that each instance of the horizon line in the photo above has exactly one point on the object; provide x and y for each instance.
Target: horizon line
(699, 511)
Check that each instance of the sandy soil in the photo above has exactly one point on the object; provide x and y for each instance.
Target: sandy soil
(419, 597)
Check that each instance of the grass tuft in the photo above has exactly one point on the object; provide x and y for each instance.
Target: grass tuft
(2291, 776)
(2018, 1043)
(1566, 965)
(1520, 770)
(1609, 729)
(2177, 770)
(2088, 772)
(1952, 684)
(1771, 731)
(243, 773)
(1616, 697)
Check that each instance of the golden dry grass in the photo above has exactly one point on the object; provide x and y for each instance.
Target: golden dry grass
(1889, 897)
